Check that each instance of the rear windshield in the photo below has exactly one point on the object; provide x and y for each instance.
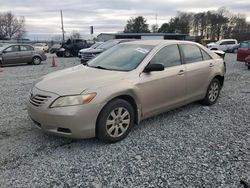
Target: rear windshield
(244, 45)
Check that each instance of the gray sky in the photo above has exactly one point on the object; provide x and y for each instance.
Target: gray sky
(43, 17)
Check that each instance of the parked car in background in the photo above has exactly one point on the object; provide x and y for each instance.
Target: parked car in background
(41, 46)
(90, 54)
(21, 53)
(224, 45)
(69, 48)
(233, 49)
(94, 46)
(124, 85)
(243, 51)
(247, 60)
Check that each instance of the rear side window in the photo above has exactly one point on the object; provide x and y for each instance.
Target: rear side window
(168, 56)
(26, 48)
(191, 53)
(227, 42)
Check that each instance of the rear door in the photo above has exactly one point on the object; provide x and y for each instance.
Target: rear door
(166, 89)
(11, 55)
(199, 68)
(26, 53)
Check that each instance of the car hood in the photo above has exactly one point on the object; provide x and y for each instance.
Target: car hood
(85, 49)
(75, 80)
(97, 50)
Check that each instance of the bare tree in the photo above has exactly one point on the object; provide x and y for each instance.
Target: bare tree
(75, 34)
(11, 26)
(154, 28)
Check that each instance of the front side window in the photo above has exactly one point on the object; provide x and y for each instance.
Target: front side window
(122, 57)
(168, 56)
(12, 49)
(191, 53)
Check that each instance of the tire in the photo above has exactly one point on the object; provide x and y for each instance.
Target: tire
(235, 51)
(36, 60)
(115, 121)
(213, 92)
(248, 67)
(67, 53)
(59, 54)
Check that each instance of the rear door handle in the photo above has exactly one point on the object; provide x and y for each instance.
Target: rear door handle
(181, 72)
(211, 65)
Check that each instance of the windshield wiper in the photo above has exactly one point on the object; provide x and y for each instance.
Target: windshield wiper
(85, 64)
(100, 67)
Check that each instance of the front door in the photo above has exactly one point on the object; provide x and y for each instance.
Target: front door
(11, 55)
(160, 91)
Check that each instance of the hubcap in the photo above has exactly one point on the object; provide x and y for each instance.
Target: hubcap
(36, 61)
(118, 122)
(67, 54)
(213, 92)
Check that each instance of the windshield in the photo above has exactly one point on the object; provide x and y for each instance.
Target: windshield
(122, 57)
(108, 44)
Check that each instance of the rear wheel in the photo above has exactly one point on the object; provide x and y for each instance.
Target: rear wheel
(213, 92)
(115, 121)
(67, 53)
(36, 61)
(59, 54)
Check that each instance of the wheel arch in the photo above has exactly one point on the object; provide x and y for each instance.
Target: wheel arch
(130, 99)
(220, 78)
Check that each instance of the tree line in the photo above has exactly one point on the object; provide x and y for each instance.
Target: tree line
(11, 27)
(212, 25)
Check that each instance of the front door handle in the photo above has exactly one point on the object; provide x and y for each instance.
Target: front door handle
(181, 72)
(211, 65)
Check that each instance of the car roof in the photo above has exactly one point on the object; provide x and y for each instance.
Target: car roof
(228, 39)
(160, 42)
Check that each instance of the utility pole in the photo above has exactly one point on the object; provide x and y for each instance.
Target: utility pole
(156, 19)
(62, 26)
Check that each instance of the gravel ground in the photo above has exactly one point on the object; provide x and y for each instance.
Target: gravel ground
(193, 146)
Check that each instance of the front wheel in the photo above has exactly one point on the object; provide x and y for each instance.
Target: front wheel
(115, 121)
(213, 92)
(36, 61)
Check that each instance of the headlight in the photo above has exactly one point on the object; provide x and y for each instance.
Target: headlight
(73, 100)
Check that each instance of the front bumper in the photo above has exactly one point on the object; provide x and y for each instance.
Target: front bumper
(72, 121)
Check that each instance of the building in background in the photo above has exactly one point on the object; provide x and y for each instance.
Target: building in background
(144, 36)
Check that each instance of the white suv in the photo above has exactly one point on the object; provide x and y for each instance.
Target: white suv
(224, 45)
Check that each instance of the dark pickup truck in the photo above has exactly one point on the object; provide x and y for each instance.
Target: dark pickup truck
(69, 48)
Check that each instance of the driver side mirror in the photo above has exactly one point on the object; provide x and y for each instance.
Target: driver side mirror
(153, 67)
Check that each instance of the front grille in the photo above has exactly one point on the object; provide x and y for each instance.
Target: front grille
(38, 100)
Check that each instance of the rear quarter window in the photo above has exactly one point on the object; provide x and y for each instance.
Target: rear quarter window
(191, 53)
